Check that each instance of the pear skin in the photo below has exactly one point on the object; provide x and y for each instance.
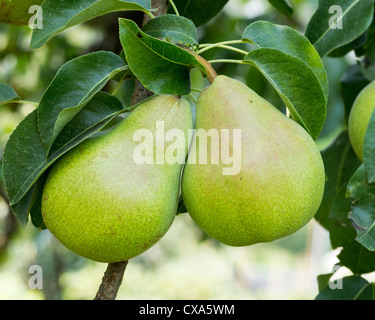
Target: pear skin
(280, 185)
(360, 116)
(103, 204)
(17, 11)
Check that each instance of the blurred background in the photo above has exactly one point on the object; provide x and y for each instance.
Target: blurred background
(185, 264)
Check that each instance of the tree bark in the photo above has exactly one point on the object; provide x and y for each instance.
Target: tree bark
(114, 274)
(111, 281)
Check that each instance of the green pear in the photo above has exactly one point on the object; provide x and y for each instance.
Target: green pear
(281, 180)
(109, 202)
(17, 11)
(360, 116)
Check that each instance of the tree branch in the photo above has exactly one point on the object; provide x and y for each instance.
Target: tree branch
(114, 274)
(111, 282)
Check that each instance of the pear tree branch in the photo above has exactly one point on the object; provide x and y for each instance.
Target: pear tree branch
(114, 274)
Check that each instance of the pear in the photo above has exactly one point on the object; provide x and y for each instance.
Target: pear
(104, 200)
(281, 180)
(17, 11)
(360, 116)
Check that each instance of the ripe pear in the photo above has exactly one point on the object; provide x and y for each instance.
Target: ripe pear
(360, 116)
(281, 181)
(17, 11)
(103, 201)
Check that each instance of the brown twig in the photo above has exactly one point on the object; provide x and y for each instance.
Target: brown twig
(111, 282)
(114, 274)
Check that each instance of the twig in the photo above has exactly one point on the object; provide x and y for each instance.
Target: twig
(111, 282)
(114, 274)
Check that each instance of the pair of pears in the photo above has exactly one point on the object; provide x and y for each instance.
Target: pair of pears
(102, 205)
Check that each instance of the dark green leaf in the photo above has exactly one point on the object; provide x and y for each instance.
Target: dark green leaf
(340, 163)
(161, 67)
(335, 24)
(181, 207)
(24, 157)
(369, 150)
(174, 28)
(369, 47)
(199, 11)
(7, 94)
(264, 34)
(74, 85)
(283, 6)
(343, 235)
(341, 206)
(345, 49)
(296, 84)
(21, 208)
(352, 84)
(1, 175)
(35, 206)
(60, 15)
(367, 68)
(356, 257)
(363, 209)
(323, 280)
(353, 288)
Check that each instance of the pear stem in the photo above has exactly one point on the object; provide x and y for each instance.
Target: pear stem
(174, 7)
(24, 102)
(224, 45)
(227, 61)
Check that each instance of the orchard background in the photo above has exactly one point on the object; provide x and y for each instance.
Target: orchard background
(186, 263)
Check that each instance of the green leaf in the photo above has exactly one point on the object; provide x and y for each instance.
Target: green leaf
(353, 288)
(264, 34)
(352, 83)
(323, 280)
(369, 150)
(161, 67)
(1, 174)
(61, 15)
(296, 84)
(35, 206)
(356, 257)
(283, 6)
(74, 85)
(174, 28)
(25, 160)
(335, 24)
(356, 44)
(363, 208)
(340, 162)
(369, 47)
(181, 208)
(7, 94)
(199, 11)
